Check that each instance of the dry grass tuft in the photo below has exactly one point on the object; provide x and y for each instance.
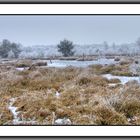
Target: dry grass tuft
(130, 108)
(114, 80)
(84, 81)
(108, 116)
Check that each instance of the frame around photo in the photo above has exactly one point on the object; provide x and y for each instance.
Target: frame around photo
(68, 131)
(69, 1)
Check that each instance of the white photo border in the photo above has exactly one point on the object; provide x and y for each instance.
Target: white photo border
(69, 9)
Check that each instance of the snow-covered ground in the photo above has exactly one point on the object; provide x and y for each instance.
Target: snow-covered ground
(13, 111)
(123, 79)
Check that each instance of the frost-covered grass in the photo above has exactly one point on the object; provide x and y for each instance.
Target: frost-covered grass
(72, 95)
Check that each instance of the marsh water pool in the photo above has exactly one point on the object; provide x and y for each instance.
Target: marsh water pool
(74, 63)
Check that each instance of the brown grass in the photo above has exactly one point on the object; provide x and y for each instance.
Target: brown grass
(108, 116)
(85, 97)
(122, 73)
(121, 69)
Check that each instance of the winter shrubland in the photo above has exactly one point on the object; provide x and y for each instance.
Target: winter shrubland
(82, 95)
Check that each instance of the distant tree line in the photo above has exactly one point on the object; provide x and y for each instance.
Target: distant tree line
(9, 49)
(66, 47)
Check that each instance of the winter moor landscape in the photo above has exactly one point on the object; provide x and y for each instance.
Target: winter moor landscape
(89, 75)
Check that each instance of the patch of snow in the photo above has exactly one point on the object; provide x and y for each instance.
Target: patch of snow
(123, 79)
(112, 84)
(132, 119)
(13, 110)
(25, 122)
(16, 118)
(57, 94)
(63, 121)
(20, 69)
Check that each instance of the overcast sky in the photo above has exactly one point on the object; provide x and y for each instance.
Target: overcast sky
(47, 30)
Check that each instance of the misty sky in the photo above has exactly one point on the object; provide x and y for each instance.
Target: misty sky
(47, 30)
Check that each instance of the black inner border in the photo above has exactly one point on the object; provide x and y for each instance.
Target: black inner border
(70, 2)
(71, 125)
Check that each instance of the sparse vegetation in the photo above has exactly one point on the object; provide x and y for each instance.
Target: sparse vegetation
(85, 96)
(121, 69)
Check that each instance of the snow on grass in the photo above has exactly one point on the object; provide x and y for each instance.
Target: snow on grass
(57, 94)
(16, 119)
(20, 69)
(112, 84)
(63, 121)
(123, 79)
(13, 110)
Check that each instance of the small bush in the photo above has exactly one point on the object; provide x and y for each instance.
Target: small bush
(107, 116)
(64, 113)
(124, 62)
(23, 63)
(40, 64)
(117, 59)
(83, 81)
(107, 69)
(96, 69)
(130, 108)
(44, 113)
(100, 81)
(114, 81)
